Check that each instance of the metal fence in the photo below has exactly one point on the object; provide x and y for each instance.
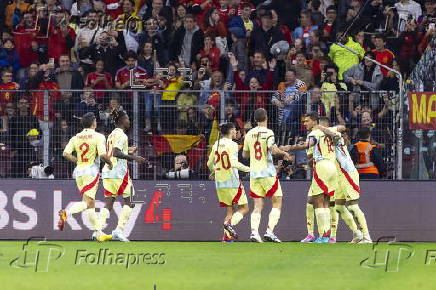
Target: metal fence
(174, 129)
(420, 145)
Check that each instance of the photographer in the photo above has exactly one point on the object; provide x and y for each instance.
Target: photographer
(39, 171)
(181, 169)
(366, 76)
(287, 170)
(86, 37)
(61, 37)
(107, 49)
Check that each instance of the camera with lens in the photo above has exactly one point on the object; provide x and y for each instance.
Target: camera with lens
(184, 165)
(106, 40)
(185, 173)
(287, 163)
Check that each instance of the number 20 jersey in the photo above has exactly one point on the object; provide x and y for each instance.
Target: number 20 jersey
(224, 157)
(88, 145)
(116, 139)
(258, 141)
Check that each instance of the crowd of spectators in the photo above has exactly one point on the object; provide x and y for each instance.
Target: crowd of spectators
(197, 53)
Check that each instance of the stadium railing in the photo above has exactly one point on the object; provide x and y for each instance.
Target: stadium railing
(420, 145)
(165, 124)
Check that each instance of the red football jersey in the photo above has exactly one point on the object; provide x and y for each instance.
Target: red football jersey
(384, 57)
(7, 96)
(38, 100)
(123, 74)
(92, 77)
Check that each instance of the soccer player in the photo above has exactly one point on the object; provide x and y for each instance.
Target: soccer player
(324, 181)
(90, 148)
(348, 189)
(224, 165)
(310, 214)
(116, 180)
(259, 147)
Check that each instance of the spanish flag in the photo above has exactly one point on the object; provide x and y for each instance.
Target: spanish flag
(214, 135)
(174, 143)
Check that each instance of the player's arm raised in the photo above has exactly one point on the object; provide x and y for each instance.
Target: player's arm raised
(68, 151)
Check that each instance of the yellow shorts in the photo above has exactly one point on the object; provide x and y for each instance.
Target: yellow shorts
(231, 196)
(348, 185)
(325, 179)
(265, 187)
(88, 185)
(117, 186)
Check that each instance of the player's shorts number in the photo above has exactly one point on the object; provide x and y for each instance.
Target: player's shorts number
(257, 150)
(84, 147)
(224, 156)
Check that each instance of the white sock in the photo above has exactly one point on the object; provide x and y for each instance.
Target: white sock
(104, 215)
(124, 217)
(90, 212)
(327, 219)
(236, 218)
(320, 220)
(77, 207)
(255, 221)
(274, 217)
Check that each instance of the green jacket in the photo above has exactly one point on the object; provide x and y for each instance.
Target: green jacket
(345, 59)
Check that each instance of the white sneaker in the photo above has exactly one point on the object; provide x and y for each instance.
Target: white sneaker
(357, 237)
(366, 240)
(94, 236)
(271, 237)
(255, 237)
(119, 236)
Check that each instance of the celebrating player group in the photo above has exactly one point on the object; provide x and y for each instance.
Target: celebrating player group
(334, 190)
(90, 148)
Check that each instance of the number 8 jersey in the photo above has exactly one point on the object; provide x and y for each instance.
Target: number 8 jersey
(88, 145)
(258, 141)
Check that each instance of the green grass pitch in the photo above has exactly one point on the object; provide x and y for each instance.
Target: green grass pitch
(215, 265)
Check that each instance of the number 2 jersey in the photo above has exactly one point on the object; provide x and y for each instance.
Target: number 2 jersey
(259, 141)
(323, 148)
(223, 160)
(89, 145)
(116, 139)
